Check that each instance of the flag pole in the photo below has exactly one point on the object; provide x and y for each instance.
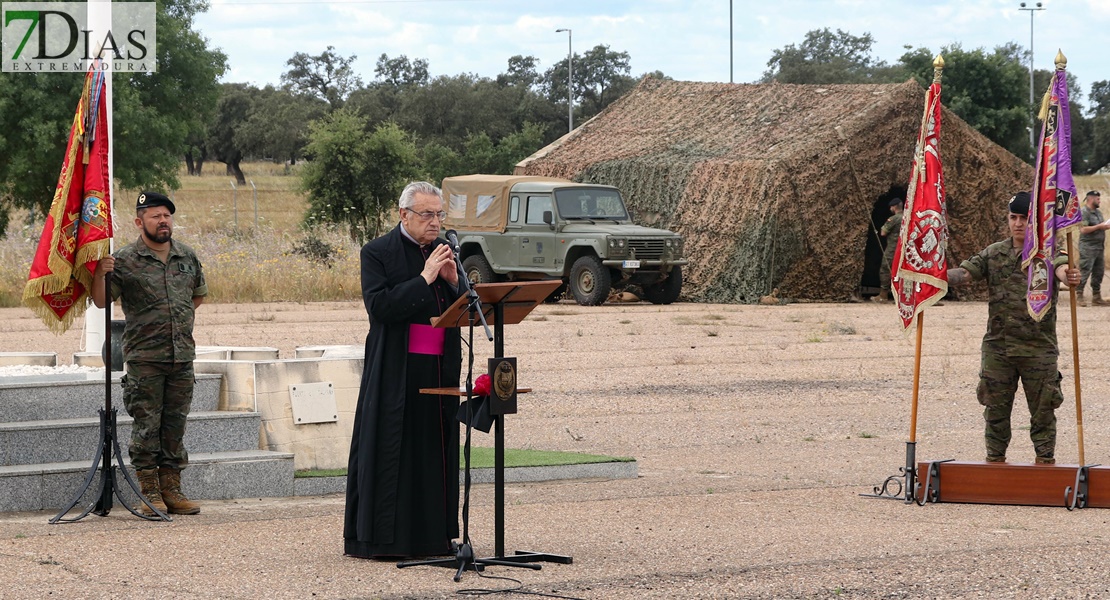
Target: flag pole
(1075, 351)
(911, 446)
(920, 271)
(99, 22)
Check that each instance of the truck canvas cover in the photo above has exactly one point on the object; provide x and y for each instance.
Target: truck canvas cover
(481, 202)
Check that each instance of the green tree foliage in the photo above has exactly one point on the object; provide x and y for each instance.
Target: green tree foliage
(400, 71)
(233, 109)
(277, 125)
(989, 90)
(521, 72)
(354, 177)
(327, 76)
(154, 115)
(1100, 126)
(600, 77)
(827, 57)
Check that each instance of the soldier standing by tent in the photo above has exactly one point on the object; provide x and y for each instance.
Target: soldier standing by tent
(1092, 242)
(1016, 346)
(890, 231)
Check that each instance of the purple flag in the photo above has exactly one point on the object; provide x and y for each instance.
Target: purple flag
(1054, 209)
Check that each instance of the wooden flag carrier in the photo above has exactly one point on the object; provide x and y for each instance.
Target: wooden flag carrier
(505, 304)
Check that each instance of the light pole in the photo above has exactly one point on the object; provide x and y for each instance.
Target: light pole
(570, 80)
(1032, 101)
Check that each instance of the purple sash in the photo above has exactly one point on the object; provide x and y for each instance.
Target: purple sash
(425, 339)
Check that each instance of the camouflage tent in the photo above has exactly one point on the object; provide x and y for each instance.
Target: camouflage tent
(781, 186)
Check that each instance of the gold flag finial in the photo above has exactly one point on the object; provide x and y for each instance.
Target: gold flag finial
(1061, 60)
(938, 66)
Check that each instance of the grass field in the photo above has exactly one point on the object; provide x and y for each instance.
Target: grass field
(482, 458)
(249, 239)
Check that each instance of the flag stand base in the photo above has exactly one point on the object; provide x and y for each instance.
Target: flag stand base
(109, 487)
(1023, 484)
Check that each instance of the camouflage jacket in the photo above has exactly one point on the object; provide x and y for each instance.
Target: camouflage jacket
(892, 228)
(1010, 329)
(157, 300)
(1094, 240)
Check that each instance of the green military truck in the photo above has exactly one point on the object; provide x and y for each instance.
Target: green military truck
(520, 228)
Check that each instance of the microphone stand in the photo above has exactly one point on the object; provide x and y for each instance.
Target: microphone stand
(471, 293)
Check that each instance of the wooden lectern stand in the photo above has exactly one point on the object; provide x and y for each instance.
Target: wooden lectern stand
(503, 304)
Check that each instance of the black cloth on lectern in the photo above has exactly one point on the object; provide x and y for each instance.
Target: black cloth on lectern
(403, 470)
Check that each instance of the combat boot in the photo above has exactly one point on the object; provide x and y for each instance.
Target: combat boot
(1096, 299)
(1043, 460)
(170, 481)
(148, 486)
(884, 296)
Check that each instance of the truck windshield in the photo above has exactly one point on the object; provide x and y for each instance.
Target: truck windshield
(588, 203)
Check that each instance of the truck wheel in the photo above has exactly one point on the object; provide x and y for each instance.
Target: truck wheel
(557, 295)
(478, 270)
(665, 291)
(590, 281)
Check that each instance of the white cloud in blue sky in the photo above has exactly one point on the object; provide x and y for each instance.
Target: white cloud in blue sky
(685, 39)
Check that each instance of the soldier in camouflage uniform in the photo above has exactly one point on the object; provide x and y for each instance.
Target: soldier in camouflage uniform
(890, 230)
(1092, 242)
(160, 283)
(1015, 346)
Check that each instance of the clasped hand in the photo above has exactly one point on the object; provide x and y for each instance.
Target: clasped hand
(441, 263)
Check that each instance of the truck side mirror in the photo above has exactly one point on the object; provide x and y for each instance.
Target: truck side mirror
(548, 218)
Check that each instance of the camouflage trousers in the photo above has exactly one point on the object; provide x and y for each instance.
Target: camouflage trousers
(1092, 265)
(998, 381)
(158, 397)
(885, 266)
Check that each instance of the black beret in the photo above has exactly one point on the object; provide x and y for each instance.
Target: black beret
(1094, 193)
(1019, 204)
(152, 199)
(895, 202)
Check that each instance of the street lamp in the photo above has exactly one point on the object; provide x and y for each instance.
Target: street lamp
(570, 80)
(1032, 101)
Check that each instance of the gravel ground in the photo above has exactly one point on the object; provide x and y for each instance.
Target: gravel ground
(756, 429)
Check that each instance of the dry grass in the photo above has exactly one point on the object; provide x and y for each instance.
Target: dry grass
(242, 262)
(210, 202)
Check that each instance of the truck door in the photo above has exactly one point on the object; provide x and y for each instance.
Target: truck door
(505, 247)
(537, 239)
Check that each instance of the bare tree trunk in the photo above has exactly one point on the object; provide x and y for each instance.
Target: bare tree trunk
(189, 162)
(233, 168)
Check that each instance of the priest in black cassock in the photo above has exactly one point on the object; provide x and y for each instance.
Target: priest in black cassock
(403, 471)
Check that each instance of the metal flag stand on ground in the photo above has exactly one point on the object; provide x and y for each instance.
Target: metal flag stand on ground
(107, 448)
(920, 276)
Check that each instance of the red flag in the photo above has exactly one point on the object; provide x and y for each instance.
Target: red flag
(78, 228)
(920, 269)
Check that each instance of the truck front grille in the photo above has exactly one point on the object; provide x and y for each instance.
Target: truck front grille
(647, 249)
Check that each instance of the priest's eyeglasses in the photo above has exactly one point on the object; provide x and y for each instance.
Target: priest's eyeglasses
(427, 216)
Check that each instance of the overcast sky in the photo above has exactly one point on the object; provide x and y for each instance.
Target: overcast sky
(685, 39)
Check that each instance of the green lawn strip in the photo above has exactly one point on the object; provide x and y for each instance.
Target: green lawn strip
(482, 458)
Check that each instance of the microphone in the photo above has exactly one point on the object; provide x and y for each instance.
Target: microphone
(453, 239)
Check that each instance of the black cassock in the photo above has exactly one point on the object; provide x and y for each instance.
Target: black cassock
(403, 471)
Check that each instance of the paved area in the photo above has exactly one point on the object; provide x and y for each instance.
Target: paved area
(756, 429)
